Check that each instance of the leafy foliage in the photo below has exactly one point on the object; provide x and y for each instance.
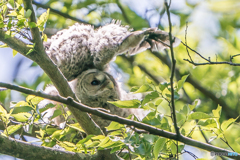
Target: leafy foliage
(198, 111)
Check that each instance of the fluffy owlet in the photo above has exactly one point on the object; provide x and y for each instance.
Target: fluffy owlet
(83, 54)
(80, 47)
(94, 88)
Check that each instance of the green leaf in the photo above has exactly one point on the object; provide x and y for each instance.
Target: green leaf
(3, 111)
(21, 109)
(32, 24)
(56, 113)
(34, 99)
(76, 126)
(99, 137)
(158, 146)
(180, 148)
(151, 96)
(42, 20)
(238, 141)
(85, 139)
(173, 148)
(12, 129)
(14, 53)
(186, 110)
(28, 13)
(50, 130)
(181, 118)
(217, 112)
(144, 88)
(150, 138)
(126, 104)
(198, 115)
(22, 117)
(50, 105)
(194, 104)
(228, 123)
(158, 101)
(3, 45)
(209, 123)
(163, 85)
(115, 149)
(114, 126)
(181, 82)
(57, 134)
(30, 51)
(151, 121)
(104, 141)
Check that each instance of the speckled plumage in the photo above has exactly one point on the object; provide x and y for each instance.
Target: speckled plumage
(83, 54)
(97, 95)
(80, 47)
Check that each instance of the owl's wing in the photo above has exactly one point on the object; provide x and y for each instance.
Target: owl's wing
(80, 47)
(114, 39)
(69, 50)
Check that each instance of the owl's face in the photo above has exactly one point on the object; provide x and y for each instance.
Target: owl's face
(95, 85)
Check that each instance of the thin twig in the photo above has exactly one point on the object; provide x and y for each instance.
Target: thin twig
(196, 52)
(172, 71)
(209, 62)
(62, 14)
(186, 41)
(123, 12)
(212, 63)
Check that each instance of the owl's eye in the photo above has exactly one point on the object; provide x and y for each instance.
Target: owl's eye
(95, 82)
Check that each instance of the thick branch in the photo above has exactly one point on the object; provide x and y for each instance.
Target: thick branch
(39, 56)
(29, 151)
(111, 117)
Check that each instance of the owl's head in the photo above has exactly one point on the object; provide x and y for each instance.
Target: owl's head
(95, 85)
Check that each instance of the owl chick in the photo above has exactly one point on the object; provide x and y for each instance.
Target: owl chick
(94, 88)
(80, 47)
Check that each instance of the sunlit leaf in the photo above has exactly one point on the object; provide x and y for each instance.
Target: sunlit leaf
(126, 104)
(76, 126)
(144, 88)
(56, 113)
(12, 129)
(3, 112)
(227, 123)
(28, 13)
(22, 117)
(217, 112)
(14, 53)
(114, 126)
(50, 105)
(198, 115)
(181, 82)
(34, 99)
(159, 146)
(151, 96)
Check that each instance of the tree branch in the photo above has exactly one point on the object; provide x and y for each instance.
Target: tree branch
(39, 56)
(172, 70)
(123, 12)
(111, 117)
(29, 151)
(61, 13)
(209, 62)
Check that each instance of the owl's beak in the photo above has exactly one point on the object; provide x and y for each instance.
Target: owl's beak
(107, 84)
